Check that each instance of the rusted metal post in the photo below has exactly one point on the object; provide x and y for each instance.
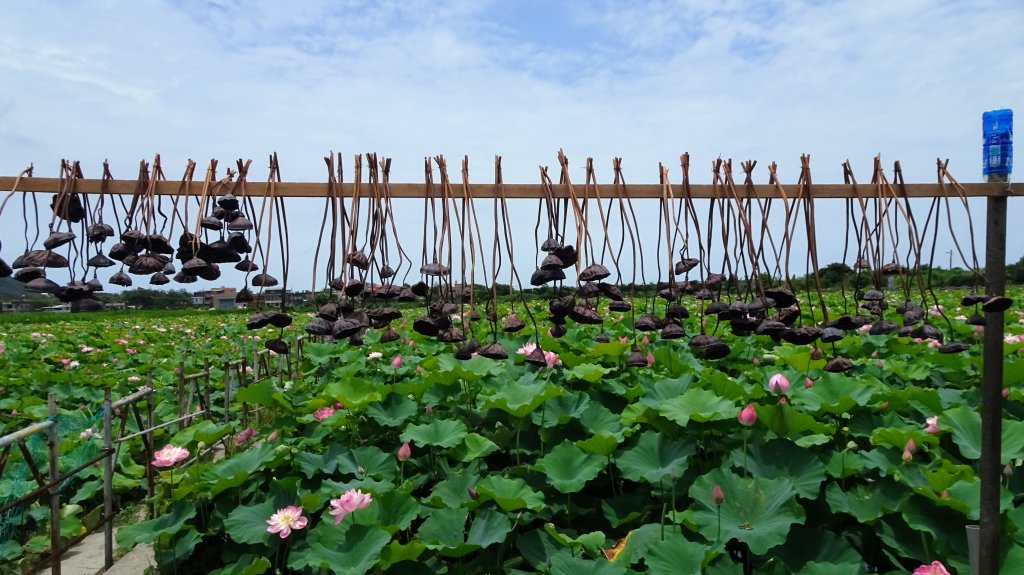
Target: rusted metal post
(55, 551)
(108, 482)
(992, 389)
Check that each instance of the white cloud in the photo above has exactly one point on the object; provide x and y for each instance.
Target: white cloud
(646, 81)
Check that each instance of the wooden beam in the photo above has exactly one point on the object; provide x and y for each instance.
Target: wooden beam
(512, 191)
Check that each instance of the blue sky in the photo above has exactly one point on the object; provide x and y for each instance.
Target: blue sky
(645, 80)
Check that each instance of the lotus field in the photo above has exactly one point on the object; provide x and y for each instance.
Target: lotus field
(634, 455)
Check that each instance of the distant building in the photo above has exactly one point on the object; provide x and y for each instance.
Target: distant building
(16, 306)
(216, 298)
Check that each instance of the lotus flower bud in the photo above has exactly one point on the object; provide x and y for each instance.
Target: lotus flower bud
(717, 496)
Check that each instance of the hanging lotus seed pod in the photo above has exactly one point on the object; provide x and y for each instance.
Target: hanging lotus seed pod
(120, 278)
(594, 272)
(838, 365)
(493, 350)
(57, 239)
(685, 265)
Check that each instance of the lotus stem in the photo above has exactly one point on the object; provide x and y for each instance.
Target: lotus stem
(718, 537)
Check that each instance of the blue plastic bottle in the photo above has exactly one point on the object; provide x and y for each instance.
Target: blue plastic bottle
(997, 128)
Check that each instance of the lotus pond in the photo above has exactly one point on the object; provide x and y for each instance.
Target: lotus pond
(399, 458)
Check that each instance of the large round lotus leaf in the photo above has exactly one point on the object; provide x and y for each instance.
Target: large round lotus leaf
(569, 468)
(783, 458)
(756, 511)
(654, 458)
(510, 494)
(440, 432)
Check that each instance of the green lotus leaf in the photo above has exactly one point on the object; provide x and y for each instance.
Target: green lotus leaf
(569, 468)
(866, 502)
(489, 527)
(965, 423)
(601, 443)
(563, 565)
(444, 531)
(521, 397)
(697, 404)
(834, 393)
(236, 470)
(784, 421)
(674, 555)
(654, 458)
(396, 552)
(440, 432)
(510, 494)
(756, 511)
(561, 410)
(359, 551)
(169, 523)
(597, 418)
(354, 392)
(248, 523)
(659, 390)
(368, 461)
(393, 411)
(783, 458)
(474, 446)
(245, 565)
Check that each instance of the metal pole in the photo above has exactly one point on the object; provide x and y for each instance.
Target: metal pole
(150, 472)
(992, 389)
(227, 391)
(181, 394)
(108, 483)
(55, 551)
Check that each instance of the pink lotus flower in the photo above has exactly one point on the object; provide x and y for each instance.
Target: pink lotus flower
(551, 359)
(935, 568)
(527, 348)
(404, 452)
(121, 341)
(338, 405)
(778, 384)
(397, 362)
(756, 361)
(645, 340)
(323, 413)
(650, 359)
(428, 410)
(717, 496)
(131, 351)
(908, 450)
(808, 382)
(134, 379)
(169, 455)
(65, 361)
(244, 436)
(623, 339)
(748, 415)
(272, 437)
(285, 520)
(350, 501)
(933, 425)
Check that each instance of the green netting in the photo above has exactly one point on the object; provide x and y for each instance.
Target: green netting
(76, 447)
